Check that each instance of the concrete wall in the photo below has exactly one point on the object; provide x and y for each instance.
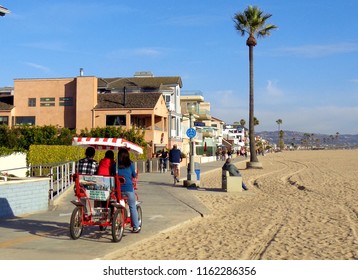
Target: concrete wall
(14, 164)
(19, 197)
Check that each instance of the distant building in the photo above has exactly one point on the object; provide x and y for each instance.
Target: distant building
(234, 138)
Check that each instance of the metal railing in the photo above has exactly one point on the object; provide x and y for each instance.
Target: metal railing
(60, 176)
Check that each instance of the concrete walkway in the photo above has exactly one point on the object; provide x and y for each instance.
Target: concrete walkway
(45, 235)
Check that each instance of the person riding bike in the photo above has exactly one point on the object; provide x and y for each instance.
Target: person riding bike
(174, 159)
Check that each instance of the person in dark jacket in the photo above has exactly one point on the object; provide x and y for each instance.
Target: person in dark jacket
(233, 171)
(175, 159)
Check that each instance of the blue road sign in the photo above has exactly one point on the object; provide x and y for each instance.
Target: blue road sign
(191, 132)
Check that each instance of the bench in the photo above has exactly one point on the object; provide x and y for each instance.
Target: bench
(231, 183)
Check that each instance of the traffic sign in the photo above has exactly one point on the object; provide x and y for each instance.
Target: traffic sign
(191, 132)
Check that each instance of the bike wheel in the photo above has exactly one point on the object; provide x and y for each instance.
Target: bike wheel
(117, 225)
(140, 216)
(76, 226)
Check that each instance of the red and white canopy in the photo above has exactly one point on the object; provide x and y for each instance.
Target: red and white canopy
(106, 143)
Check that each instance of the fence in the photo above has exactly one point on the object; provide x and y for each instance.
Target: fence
(60, 176)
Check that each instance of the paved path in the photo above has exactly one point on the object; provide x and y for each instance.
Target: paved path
(45, 235)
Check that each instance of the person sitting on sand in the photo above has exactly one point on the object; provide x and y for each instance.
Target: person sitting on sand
(233, 171)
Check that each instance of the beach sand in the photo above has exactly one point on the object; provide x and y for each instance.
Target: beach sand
(303, 205)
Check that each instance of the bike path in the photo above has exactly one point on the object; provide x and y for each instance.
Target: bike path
(45, 235)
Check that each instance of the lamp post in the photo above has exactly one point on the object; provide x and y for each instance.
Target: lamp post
(3, 11)
(191, 133)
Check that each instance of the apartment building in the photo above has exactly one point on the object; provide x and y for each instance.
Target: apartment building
(149, 103)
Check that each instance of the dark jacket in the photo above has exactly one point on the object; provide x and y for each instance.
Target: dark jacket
(233, 171)
(175, 156)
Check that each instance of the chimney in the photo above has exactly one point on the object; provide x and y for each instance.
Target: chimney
(81, 72)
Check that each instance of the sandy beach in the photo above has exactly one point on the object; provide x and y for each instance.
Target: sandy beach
(302, 205)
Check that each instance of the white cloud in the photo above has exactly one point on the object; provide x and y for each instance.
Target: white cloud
(327, 120)
(273, 90)
(38, 67)
(153, 52)
(192, 20)
(320, 50)
(323, 119)
(51, 46)
(227, 106)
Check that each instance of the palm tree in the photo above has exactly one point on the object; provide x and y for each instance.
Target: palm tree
(281, 143)
(279, 122)
(337, 135)
(252, 21)
(242, 122)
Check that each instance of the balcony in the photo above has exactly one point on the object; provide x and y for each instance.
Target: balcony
(208, 134)
(203, 115)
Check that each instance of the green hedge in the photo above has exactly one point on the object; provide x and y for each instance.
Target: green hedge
(52, 154)
(52, 145)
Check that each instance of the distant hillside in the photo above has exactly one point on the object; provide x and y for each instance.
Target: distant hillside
(342, 140)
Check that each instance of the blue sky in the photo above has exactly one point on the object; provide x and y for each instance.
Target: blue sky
(305, 72)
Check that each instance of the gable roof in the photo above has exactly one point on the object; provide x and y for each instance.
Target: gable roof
(141, 82)
(216, 119)
(127, 100)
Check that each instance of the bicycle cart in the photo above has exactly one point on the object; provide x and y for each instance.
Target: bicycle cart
(99, 199)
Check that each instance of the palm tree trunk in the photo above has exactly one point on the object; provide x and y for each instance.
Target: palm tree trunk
(253, 155)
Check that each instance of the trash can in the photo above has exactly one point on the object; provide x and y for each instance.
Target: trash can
(197, 170)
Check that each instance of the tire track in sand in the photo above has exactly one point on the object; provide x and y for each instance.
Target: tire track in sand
(261, 243)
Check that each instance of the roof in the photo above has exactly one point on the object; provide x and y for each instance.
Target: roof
(127, 100)
(106, 143)
(142, 82)
(5, 106)
(216, 119)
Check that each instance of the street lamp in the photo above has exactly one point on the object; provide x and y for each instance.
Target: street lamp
(3, 11)
(191, 133)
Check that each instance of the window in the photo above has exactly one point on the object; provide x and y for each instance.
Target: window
(32, 102)
(4, 120)
(115, 120)
(66, 101)
(24, 120)
(167, 98)
(47, 101)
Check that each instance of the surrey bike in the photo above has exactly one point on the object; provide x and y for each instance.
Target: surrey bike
(99, 199)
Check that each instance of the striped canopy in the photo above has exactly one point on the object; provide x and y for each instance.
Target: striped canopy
(106, 143)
